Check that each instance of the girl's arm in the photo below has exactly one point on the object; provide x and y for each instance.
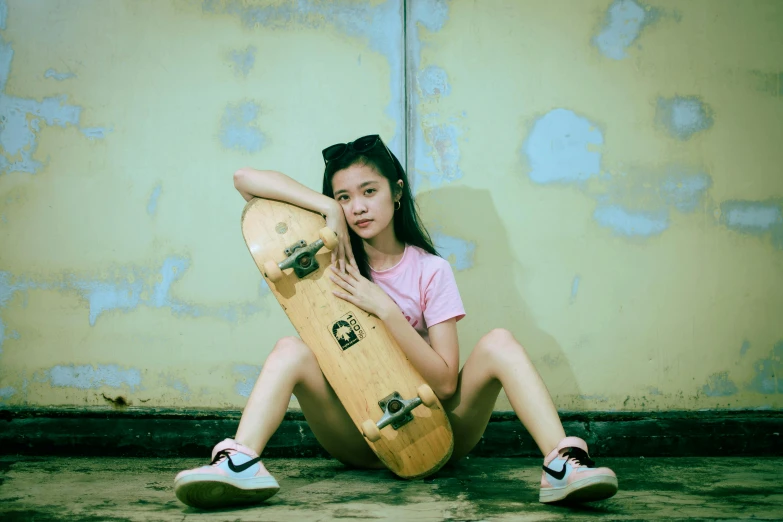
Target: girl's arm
(438, 364)
(269, 184)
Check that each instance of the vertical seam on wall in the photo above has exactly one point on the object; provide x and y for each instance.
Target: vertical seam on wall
(406, 101)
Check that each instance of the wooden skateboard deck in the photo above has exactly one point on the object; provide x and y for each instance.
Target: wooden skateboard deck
(356, 353)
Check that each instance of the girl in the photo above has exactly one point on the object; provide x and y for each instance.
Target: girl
(385, 264)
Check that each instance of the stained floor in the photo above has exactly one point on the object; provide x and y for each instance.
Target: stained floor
(141, 489)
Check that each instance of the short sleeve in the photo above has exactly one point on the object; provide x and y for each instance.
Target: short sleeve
(441, 295)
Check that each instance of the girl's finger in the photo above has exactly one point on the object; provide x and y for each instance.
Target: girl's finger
(339, 282)
(354, 272)
(342, 275)
(344, 297)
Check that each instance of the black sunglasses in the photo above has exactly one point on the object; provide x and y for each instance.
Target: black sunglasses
(363, 144)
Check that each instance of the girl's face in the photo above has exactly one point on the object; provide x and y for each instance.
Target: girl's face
(366, 199)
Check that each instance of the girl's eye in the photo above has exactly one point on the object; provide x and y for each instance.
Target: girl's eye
(369, 191)
(342, 197)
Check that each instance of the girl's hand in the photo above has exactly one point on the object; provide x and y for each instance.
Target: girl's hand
(343, 254)
(360, 291)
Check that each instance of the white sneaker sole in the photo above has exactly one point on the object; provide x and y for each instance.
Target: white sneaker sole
(598, 487)
(208, 491)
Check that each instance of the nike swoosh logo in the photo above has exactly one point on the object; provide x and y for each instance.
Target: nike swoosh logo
(556, 474)
(243, 467)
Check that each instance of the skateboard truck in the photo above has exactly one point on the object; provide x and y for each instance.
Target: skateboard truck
(301, 257)
(397, 411)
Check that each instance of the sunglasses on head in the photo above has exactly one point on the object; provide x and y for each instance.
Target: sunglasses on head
(363, 144)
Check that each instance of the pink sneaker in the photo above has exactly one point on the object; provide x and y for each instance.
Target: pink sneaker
(235, 476)
(569, 474)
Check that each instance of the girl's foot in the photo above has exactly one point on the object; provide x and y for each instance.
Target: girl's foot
(570, 475)
(236, 476)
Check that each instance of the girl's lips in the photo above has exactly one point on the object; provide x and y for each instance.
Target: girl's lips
(363, 224)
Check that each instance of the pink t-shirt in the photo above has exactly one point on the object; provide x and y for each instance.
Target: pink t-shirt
(424, 288)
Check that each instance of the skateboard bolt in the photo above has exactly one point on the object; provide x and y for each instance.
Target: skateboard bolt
(395, 406)
(304, 261)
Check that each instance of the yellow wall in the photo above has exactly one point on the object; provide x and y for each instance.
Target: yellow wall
(604, 177)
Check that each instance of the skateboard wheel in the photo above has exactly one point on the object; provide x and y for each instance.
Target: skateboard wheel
(427, 396)
(371, 431)
(328, 237)
(272, 271)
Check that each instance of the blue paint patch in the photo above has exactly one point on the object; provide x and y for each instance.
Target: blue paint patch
(654, 391)
(6, 57)
(243, 60)
(685, 192)
(433, 82)
(758, 218)
(178, 385)
(152, 203)
(96, 132)
(623, 22)
(3, 13)
(18, 134)
(21, 120)
(8, 288)
(719, 385)
(574, 287)
(238, 130)
(558, 148)
(249, 376)
(460, 250)
(133, 287)
(443, 163)
(380, 25)
(750, 217)
(90, 377)
(263, 288)
(432, 14)
(629, 223)
(51, 73)
(769, 373)
(7, 392)
(683, 116)
(428, 15)
(744, 348)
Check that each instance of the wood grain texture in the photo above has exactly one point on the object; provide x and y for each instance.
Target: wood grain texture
(363, 373)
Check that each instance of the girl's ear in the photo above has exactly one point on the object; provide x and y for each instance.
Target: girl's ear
(400, 184)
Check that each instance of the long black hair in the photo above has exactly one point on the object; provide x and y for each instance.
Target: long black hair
(407, 223)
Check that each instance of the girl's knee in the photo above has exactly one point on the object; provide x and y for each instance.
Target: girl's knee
(500, 342)
(291, 349)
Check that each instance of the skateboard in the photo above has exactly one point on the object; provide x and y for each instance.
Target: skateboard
(399, 415)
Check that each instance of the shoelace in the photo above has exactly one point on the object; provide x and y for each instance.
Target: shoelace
(580, 457)
(236, 469)
(219, 457)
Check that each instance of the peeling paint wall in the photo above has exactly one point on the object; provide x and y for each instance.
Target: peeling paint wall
(604, 177)
(124, 278)
(622, 161)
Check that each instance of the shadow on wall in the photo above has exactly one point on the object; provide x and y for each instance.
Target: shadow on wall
(489, 287)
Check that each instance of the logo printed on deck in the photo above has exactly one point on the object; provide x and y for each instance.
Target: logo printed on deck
(347, 331)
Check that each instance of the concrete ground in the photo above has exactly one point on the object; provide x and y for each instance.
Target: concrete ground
(112, 489)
